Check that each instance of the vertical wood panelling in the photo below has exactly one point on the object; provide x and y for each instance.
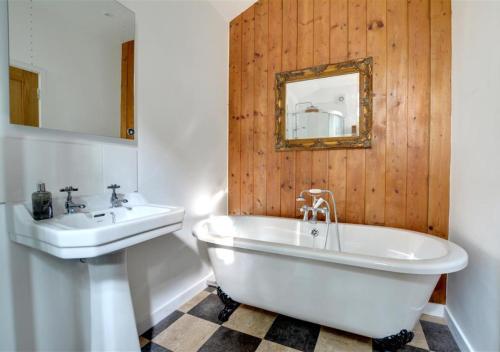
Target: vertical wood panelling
(260, 102)
(247, 107)
(337, 159)
(375, 157)
(397, 77)
(234, 116)
(403, 180)
(418, 114)
(355, 197)
(319, 177)
(440, 124)
(439, 162)
(305, 57)
(275, 37)
(289, 62)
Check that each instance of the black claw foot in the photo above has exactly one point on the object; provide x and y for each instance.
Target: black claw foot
(393, 342)
(229, 305)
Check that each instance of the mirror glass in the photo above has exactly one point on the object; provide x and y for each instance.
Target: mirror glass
(323, 107)
(72, 66)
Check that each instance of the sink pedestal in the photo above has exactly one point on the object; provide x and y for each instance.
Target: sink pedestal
(101, 235)
(112, 318)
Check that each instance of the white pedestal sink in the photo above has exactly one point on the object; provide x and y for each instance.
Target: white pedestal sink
(100, 238)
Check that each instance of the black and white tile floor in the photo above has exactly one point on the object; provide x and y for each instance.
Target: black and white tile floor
(195, 327)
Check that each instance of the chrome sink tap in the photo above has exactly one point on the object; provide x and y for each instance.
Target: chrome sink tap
(116, 201)
(70, 206)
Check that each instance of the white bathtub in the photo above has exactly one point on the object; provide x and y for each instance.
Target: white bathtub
(377, 286)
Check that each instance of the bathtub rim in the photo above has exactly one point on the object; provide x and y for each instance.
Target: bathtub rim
(454, 260)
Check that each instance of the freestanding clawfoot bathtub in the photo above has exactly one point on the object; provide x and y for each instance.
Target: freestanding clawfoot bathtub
(377, 286)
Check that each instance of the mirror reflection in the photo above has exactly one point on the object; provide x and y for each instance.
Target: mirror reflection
(323, 108)
(72, 66)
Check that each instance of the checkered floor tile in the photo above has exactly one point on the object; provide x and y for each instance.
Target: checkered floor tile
(195, 327)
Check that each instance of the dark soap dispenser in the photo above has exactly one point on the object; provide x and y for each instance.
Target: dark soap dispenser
(42, 203)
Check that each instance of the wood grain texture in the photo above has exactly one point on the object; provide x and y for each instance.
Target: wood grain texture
(397, 79)
(403, 180)
(247, 109)
(234, 150)
(319, 177)
(337, 159)
(376, 44)
(289, 62)
(440, 127)
(355, 178)
(275, 45)
(440, 118)
(305, 58)
(261, 106)
(418, 114)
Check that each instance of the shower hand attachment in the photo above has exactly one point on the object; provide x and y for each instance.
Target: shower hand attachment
(317, 201)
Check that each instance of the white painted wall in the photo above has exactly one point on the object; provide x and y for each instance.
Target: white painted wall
(182, 65)
(182, 75)
(474, 293)
(44, 300)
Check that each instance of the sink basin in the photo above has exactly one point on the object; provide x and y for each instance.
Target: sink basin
(97, 232)
(107, 217)
(100, 237)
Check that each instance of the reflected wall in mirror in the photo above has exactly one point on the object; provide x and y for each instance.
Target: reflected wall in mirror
(72, 66)
(327, 106)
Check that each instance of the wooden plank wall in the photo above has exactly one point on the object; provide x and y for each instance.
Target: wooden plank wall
(403, 180)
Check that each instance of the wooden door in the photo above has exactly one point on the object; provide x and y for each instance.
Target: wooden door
(24, 109)
(127, 99)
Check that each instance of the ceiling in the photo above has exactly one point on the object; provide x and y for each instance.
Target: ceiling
(229, 9)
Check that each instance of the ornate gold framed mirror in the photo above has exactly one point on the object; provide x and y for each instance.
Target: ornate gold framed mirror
(325, 107)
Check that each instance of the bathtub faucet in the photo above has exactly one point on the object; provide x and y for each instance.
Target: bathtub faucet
(315, 209)
(317, 202)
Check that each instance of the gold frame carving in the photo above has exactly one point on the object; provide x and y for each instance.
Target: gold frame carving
(365, 69)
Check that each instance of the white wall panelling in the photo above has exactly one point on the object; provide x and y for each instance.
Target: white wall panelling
(91, 167)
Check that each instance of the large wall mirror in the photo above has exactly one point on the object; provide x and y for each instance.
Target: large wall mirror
(72, 66)
(327, 106)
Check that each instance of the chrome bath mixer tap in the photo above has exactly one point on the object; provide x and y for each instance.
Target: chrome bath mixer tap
(321, 206)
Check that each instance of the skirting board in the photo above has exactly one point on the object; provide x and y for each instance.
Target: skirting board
(434, 309)
(173, 304)
(457, 333)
